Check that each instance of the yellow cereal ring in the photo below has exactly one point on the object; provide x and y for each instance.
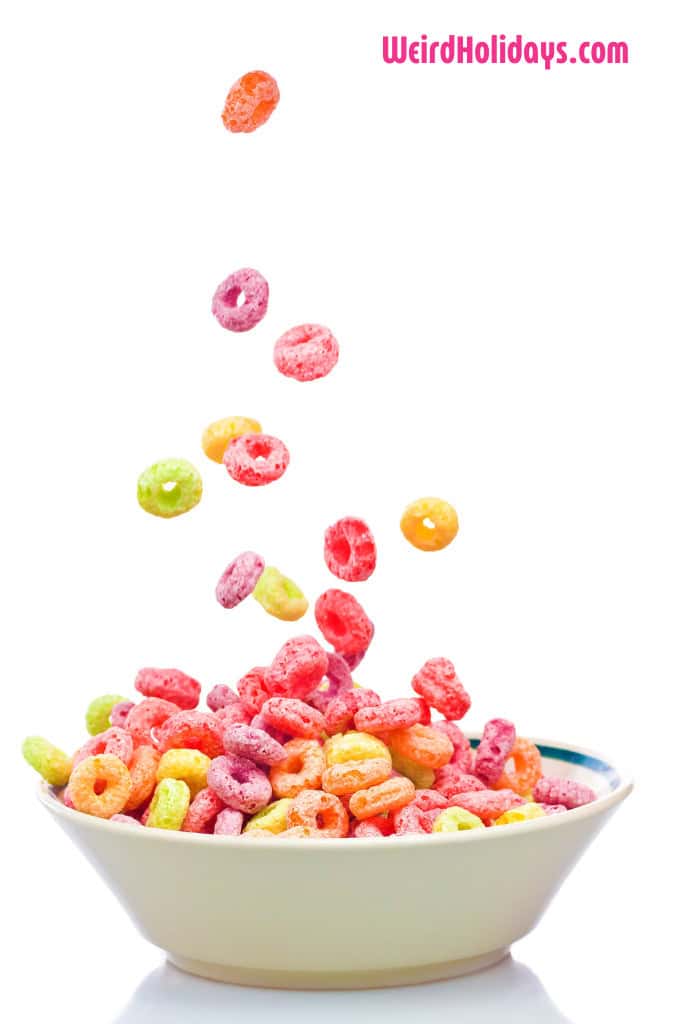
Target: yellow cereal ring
(430, 524)
(100, 785)
(272, 818)
(49, 761)
(354, 746)
(456, 819)
(419, 774)
(189, 765)
(219, 434)
(525, 812)
(169, 804)
(279, 595)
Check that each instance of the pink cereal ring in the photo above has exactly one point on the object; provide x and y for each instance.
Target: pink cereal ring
(306, 352)
(553, 808)
(192, 730)
(231, 713)
(224, 306)
(373, 828)
(342, 622)
(125, 819)
(463, 756)
(450, 781)
(298, 668)
(497, 742)
(256, 459)
(239, 579)
(147, 716)
(245, 741)
(568, 792)
(203, 811)
(113, 741)
(487, 804)
(322, 812)
(253, 690)
(239, 783)
(393, 714)
(220, 696)
(439, 685)
(350, 550)
(340, 712)
(228, 822)
(259, 722)
(119, 713)
(293, 716)
(169, 684)
(412, 820)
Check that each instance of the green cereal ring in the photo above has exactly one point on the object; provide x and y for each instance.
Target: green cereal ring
(169, 804)
(99, 710)
(421, 776)
(49, 761)
(169, 488)
(279, 595)
(456, 819)
(272, 818)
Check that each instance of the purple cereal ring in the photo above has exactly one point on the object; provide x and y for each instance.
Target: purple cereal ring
(239, 783)
(497, 741)
(239, 579)
(224, 306)
(259, 722)
(306, 352)
(554, 790)
(255, 744)
(339, 680)
(220, 696)
(112, 741)
(125, 819)
(228, 823)
(354, 660)
(256, 459)
(119, 714)
(463, 755)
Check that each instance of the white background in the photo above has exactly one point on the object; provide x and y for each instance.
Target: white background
(496, 249)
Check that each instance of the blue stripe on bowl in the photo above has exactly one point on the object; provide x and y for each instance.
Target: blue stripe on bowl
(593, 764)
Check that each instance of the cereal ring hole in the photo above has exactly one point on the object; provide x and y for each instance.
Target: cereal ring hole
(100, 786)
(234, 297)
(341, 550)
(428, 523)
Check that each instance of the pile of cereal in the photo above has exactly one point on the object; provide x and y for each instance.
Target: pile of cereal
(298, 749)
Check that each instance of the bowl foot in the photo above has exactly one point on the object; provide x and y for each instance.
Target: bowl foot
(386, 978)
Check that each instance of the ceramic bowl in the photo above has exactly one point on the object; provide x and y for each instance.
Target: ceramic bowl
(343, 913)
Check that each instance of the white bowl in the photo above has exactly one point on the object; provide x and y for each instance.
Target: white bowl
(342, 913)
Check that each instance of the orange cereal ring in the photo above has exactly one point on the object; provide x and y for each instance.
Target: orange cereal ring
(526, 770)
(423, 745)
(349, 776)
(143, 776)
(391, 795)
(322, 812)
(302, 768)
(100, 785)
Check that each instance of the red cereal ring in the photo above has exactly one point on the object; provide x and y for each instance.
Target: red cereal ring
(119, 713)
(350, 551)
(393, 714)
(450, 781)
(322, 812)
(487, 804)
(232, 713)
(169, 684)
(220, 696)
(253, 690)
(147, 716)
(297, 669)
(439, 685)
(340, 712)
(342, 622)
(567, 792)
(306, 352)
(373, 828)
(191, 730)
(115, 741)
(203, 811)
(430, 800)
(413, 820)
(293, 716)
(256, 459)
(497, 741)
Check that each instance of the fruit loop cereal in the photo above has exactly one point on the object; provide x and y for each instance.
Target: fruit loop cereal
(169, 488)
(219, 434)
(256, 459)
(269, 760)
(250, 102)
(307, 352)
(350, 551)
(239, 579)
(280, 596)
(169, 684)
(342, 622)
(430, 524)
(247, 285)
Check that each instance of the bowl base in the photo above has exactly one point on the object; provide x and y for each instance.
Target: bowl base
(394, 976)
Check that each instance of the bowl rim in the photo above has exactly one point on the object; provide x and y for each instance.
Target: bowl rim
(47, 796)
